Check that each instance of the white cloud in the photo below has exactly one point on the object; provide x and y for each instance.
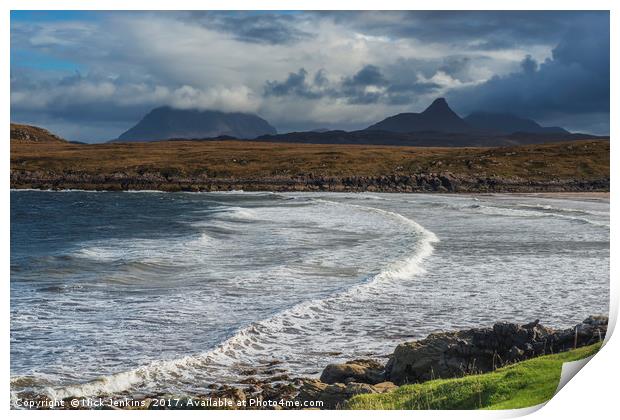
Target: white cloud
(138, 60)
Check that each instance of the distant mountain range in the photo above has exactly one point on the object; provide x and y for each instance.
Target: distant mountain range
(437, 125)
(439, 117)
(166, 123)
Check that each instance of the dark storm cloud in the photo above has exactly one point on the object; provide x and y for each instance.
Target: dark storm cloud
(297, 84)
(485, 29)
(368, 76)
(575, 80)
(364, 87)
(78, 107)
(270, 28)
(367, 86)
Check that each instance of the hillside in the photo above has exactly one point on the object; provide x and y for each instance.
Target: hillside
(224, 165)
(21, 133)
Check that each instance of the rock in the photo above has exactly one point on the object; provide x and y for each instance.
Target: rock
(334, 395)
(515, 354)
(596, 320)
(426, 359)
(365, 371)
(384, 387)
(229, 393)
(453, 354)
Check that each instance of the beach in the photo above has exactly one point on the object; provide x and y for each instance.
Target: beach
(269, 285)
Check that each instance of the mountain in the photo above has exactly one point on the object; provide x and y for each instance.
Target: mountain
(168, 123)
(438, 117)
(507, 124)
(21, 133)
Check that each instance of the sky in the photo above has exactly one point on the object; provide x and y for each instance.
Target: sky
(91, 75)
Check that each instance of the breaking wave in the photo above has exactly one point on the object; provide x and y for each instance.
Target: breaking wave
(262, 339)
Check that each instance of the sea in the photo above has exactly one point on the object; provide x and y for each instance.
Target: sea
(151, 293)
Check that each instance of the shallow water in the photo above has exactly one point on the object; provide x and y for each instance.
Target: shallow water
(135, 293)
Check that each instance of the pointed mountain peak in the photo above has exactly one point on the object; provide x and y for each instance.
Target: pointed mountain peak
(437, 117)
(438, 105)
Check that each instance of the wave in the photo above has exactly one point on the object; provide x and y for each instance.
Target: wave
(523, 210)
(237, 214)
(507, 211)
(260, 338)
(546, 207)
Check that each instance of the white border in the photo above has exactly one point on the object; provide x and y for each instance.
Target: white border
(591, 395)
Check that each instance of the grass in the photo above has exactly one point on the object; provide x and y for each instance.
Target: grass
(583, 160)
(523, 384)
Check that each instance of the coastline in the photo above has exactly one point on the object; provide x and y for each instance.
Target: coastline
(594, 195)
(459, 356)
(573, 194)
(416, 183)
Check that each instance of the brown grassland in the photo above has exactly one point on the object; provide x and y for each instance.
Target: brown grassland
(567, 162)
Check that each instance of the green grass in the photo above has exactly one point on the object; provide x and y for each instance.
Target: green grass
(520, 385)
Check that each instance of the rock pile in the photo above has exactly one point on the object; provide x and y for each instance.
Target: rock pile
(448, 355)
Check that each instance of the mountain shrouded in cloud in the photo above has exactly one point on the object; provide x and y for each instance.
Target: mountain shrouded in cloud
(168, 123)
(90, 75)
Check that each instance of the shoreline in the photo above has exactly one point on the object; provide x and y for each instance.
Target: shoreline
(457, 355)
(600, 195)
(416, 183)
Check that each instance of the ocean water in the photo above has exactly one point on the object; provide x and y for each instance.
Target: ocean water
(142, 293)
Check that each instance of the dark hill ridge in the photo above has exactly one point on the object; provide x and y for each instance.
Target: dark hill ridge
(437, 117)
(508, 123)
(169, 123)
(439, 125)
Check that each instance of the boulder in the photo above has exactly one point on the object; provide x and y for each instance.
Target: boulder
(427, 359)
(365, 371)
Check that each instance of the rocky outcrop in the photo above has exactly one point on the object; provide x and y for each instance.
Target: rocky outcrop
(21, 133)
(447, 355)
(452, 354)
(442, 182)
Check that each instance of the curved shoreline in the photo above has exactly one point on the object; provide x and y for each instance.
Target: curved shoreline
(120, 382)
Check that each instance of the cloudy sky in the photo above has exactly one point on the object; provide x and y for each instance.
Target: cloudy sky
(91, 75)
